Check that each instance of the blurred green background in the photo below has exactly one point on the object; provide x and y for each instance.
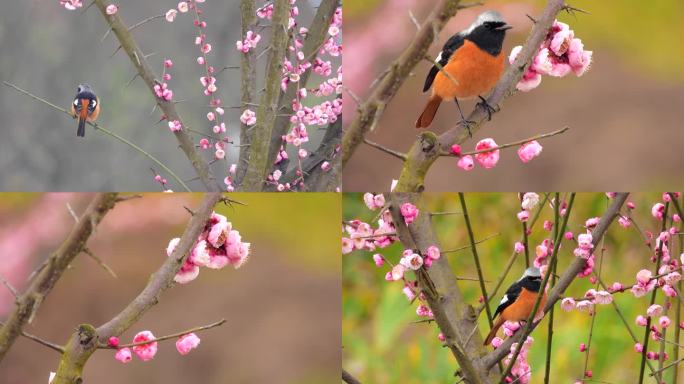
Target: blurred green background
(624, 114)
(282, 307)
(382, 344)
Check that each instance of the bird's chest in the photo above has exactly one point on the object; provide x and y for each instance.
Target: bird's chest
(523, 305)
(475, 72)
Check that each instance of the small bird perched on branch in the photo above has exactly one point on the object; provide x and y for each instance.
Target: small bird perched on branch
(518, 301)
(86, 106)
(473, 63)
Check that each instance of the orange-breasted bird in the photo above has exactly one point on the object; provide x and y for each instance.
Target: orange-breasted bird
(86, 106)
(474, 62)
(518, 301)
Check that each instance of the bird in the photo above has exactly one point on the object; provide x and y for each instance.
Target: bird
(474, 63)
(518, 301)
(86, 106)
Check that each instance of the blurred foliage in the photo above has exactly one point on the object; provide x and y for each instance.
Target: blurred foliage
(642, 32)
(383, 344)
(308, 221)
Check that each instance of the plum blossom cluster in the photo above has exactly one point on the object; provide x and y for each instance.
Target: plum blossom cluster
(521, 372)
(162, 89)
(362, 236)
(487, 154)
(305, 116)
(249, 42)
(71, 4)
(217, 246)
(145, 346)
(560, 54)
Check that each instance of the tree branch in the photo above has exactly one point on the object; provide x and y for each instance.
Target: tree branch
(85, 341)
(428, 147)
(258, 166)
(248, 85)
(41, 285)
(438, 284)
(146, 73)
(371, 110)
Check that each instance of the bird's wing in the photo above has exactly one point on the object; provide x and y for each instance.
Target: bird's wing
(454, 43)
(509, 297)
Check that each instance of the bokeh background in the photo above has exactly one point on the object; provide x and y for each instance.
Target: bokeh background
(48, 51)
(624, 114)
(282, 307)
(382, 344)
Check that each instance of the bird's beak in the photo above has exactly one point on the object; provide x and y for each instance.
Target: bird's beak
(504, 27)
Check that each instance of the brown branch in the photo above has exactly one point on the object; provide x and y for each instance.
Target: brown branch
(438, 284)
(41, 285)
(258, 164)
(140, 63)
(371, 110)
(389, 151)
(85, 341)
(563, 282)
(425, 151)
(248, 84)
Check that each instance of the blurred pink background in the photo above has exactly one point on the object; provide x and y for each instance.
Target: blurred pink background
(282, 308)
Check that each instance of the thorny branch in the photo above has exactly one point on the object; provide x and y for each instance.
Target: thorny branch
(29, 301)
(146, 73)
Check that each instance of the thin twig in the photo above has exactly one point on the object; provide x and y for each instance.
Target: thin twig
(512, 144)
(389, 151)
(99, 261)
(51, 345)
(167, 337)
(470, 246)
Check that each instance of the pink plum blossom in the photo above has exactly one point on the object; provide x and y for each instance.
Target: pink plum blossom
(409, 212)
(529, 200)
(529, 151)
(490, 158)
(111, 9)
(145, 352)
(466, 163)
(248, 117)
(123, 355)
(186, 343)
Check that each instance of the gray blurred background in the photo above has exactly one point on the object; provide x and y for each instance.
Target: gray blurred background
(48, 51)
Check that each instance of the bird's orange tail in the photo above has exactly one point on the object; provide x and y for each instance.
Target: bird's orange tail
(492, 333)
(429, 112)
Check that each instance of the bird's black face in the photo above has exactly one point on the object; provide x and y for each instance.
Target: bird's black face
(489, 36)
(496, 26)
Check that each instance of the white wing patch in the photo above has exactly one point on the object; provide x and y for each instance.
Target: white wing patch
(76, 102)
(439, 57)
(94, 103)
(504, 300)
